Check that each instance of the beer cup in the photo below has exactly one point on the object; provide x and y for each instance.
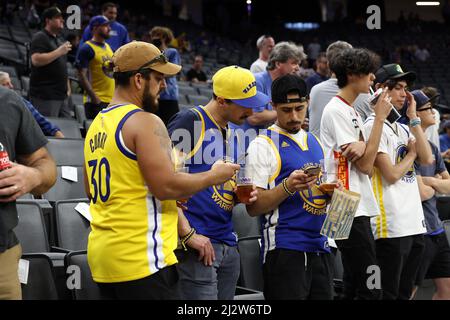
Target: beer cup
(244, 185)
(329, 176)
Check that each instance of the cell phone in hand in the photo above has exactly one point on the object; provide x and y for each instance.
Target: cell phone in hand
(393, 115)
(374, 97)
(312, 171)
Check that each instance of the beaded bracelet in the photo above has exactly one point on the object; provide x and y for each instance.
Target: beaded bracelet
(186, 238)
(284, 183)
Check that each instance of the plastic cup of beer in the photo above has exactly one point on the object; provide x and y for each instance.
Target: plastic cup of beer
(329, 176)
(244, 185)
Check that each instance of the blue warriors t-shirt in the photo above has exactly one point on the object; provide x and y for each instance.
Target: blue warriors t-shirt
(297, 221)
(208, 211)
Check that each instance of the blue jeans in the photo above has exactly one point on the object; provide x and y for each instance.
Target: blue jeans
(216, 282)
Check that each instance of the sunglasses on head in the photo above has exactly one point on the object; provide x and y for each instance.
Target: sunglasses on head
(143, 69)
(159, 59)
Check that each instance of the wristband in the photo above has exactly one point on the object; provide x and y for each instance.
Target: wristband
(186, 238)
(415, 122)
(286, 189)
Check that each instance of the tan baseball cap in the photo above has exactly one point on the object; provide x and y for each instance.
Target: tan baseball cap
(142, 55)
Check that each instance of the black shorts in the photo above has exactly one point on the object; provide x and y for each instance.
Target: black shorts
(399, 260)
(436, 259)
(162, 285)
(296, 275)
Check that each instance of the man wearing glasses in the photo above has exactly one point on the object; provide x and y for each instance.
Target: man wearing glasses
(130, 180)
(433, 179)
(399, 229)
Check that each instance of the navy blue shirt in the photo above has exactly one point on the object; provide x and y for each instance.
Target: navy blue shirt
(118, 36)
(432, 220)
(314, 79)
(84, 55)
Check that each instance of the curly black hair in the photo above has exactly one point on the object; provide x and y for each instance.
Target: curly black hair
(354, 61)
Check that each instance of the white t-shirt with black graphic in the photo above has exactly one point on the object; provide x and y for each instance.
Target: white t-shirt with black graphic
(342, 125)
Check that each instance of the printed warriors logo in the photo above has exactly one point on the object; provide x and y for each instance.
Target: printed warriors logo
(401, 152)
(223, 195)
(107, 67)
(314, 200)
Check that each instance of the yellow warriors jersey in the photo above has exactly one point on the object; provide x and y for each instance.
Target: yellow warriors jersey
(99, 71)
(133, 233)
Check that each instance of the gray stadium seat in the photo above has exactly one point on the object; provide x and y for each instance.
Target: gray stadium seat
(182, 98)
(89, 289)
(25, 83)
(64, 189)
(243, 224)
(16, 83)
(10, 54)
(201, 85)
(9, 69)
(188, 91)
(80, 113)
(197, 100)
(207, 92)
(32, 233)
(66, 152)
(70, 128)
(72, 229)
(41, 278)
(31, 230)
(251, 265)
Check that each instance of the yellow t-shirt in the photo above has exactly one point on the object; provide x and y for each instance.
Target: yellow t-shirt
(99, 72)
(133, 233)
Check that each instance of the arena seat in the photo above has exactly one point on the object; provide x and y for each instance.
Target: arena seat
(66, 152)
(89, 289)
(70, 128)
(197, 100)
(41, 278)
(251, 265)
(65, 189)
(72, 228)
(243, 224)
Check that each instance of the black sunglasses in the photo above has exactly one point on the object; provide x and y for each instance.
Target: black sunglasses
(142, 69)
(425, 109)
(159, 59)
